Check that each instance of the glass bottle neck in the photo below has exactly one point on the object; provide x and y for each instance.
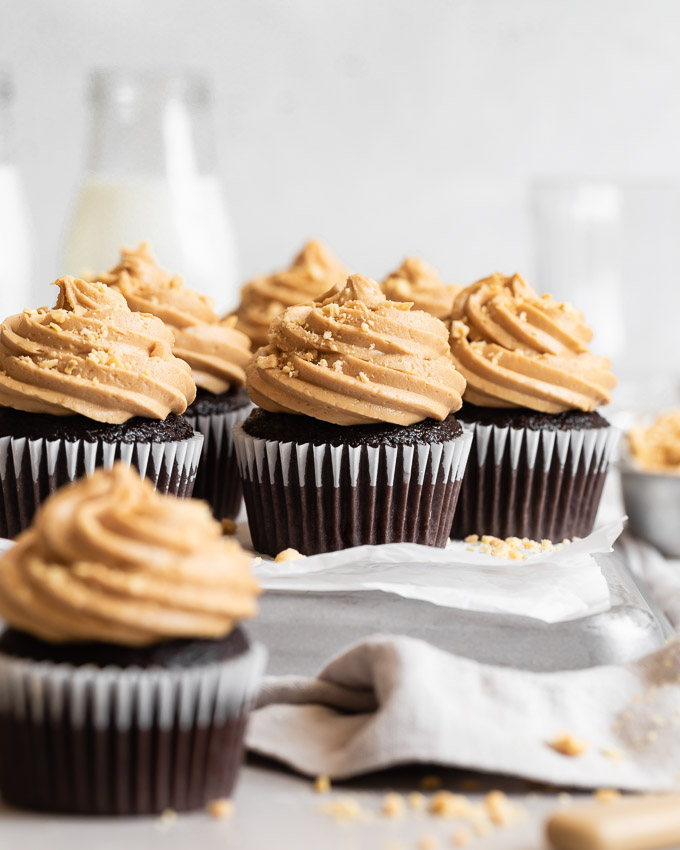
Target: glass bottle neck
(149, 125)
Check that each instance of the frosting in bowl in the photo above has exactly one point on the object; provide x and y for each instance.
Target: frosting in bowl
(215, 350)
(108, 559)
(91, 354)
(353, 358)
(518, 350)
(312, 273)
(416, 281)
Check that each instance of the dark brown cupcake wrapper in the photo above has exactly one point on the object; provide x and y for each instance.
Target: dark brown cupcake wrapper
(111, 741)
(218, 481)
(324, 498)
(31, 470)
(541, 484)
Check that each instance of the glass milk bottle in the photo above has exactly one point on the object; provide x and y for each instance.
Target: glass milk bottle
(151, 176)
(15, 292)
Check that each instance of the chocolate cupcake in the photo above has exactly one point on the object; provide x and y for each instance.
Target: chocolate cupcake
(125, 681)
(217, 354)
(416, 281)
(312, 273)
(541, 451)
(355, 442)
(82, 385)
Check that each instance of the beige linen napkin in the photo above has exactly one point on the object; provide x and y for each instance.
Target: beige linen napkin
(396, 700)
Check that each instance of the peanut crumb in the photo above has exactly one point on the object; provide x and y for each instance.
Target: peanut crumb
(612, 753)
(322, 785)
(364, 377)
(446, 804)
(288, 555)
(167, 817)
(430, 783)
(461, 838)
(500, 810)
(221, 809)
(472, 538)
(564, 799)
(365, 327)
(567, 745)
(342, 810)
(59, 316)
(229, 526)
(70, 367)
(48, 364)
(428, 842)
(393, 805)
(327, 335)
(417, 801)
(607, 795)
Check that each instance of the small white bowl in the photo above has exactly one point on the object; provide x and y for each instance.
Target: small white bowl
(652, 501)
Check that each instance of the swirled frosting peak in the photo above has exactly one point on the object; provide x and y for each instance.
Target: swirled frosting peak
(518, 350)
(110, 560)
(215, 350)
(90, 354)
(416, 281)
(353, 358)
(312, 273)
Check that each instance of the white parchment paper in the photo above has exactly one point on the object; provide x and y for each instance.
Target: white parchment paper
(552, 586)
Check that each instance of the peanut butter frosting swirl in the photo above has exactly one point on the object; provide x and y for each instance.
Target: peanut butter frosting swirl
(353, 358)
(312, 273)
(215, 350)
(518, 350)
(416, 281)
(92, 355)
(110, 560)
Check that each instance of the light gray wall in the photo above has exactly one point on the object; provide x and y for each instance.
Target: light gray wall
(384, 127)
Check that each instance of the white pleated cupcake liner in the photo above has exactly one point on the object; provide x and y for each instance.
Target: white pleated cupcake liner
(32, 469)
(123, 741)
(323, 498)
(593, 446)
(447, 459)
(217, 480)
(115, 697)
(541, 484)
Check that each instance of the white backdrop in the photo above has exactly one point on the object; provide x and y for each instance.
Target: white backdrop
(385, 126)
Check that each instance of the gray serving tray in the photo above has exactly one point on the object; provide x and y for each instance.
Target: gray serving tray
(305, 630)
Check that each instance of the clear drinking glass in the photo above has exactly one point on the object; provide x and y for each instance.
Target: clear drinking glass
(15, 285)
(151, 176)
(578, 227)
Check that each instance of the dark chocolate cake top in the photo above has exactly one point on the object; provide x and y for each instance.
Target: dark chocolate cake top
(286, 427)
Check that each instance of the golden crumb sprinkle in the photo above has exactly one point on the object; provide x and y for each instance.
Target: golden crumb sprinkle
(221, 809)
(342, 809)
(288, 555)
(501, 810)
(327, 335)
(167, 817)
(461, 838)
(364, 377)
(568, 745)
(472, 538)
(430, 783)
(268, 361)
(428, 842)
(71, 366)
(446, 804)
(229, 526)
(322, 785)
(393, 805)
(417, 801)
(612, 753)
(607, 795)
(512, 548)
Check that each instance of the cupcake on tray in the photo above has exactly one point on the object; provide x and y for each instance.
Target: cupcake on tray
(312, 273)
(125, 680)
(83, 384)
(354, 441)
(541, 450)
(217, 354)
(419, 283)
